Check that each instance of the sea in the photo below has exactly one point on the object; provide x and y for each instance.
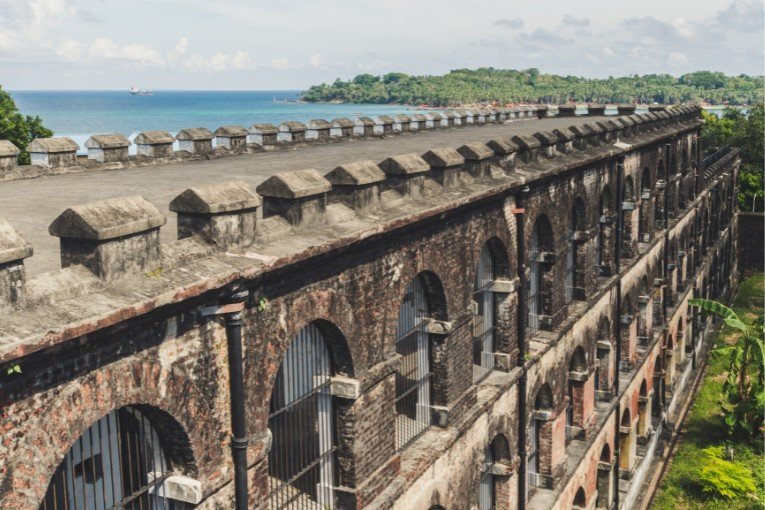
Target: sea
(80, 114)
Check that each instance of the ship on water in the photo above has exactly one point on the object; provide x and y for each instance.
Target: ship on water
(140, 92)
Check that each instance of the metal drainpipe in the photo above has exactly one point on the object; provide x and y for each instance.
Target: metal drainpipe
(232, 314)
(520, 232)
(665, 258)
(618, 322)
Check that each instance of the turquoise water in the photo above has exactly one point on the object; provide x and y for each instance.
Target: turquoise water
(79, 114)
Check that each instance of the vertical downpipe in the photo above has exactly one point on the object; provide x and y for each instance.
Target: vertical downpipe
(665, 272)
(520, 232)
(618, 322)
(239, 436)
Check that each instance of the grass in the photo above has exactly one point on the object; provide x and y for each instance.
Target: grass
(704, 427)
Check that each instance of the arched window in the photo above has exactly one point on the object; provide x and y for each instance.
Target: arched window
(540, 263)
(577, 368)
(575, 273)
(118, 462)
(658, 208)
(603, 350)
(414, 373)
(580, 500)
(543, 401)
(486, 495)
(302, 457)
(627, 442)
(605, 479)
(605, 245)
(496, 462)
(645, 219)
(644, 421)
(483, 327)
(628, 197)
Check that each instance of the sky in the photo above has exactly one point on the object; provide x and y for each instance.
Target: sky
(256, 44)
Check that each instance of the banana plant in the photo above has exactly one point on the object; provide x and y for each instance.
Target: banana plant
(743, 399)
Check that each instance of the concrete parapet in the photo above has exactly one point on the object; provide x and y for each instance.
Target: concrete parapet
(112, 238)
(108, 148)
(542, 111)
(460, 117)
(433, 120)
(13, 250)
(625, 109)
(448, 117)
(528, 147)
(364, 126)
(342, 128)
(223, 214)
(566, 110)
(402, 123)
(406, 173)
(596, 110)
(419, 122)
(383, 125)
(9, 155)
(318, 129)
(357, 185)
(478, 158)
(291, 131)
(53, 152)
(263, 134)
(446, 164)
(195, 140)
(231, 137)
(299, 196)
(548, 142)
(155, 144)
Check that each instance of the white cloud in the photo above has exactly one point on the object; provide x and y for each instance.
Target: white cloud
(317, 61)
(180, 49)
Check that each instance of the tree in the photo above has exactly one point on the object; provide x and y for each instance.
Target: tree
(17, 128)
(744, 388)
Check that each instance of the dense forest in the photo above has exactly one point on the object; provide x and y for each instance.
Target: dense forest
(465, 86)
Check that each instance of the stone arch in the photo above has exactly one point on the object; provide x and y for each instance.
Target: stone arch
(627, 443)
(604, 359)
(544, 400)
(576, 263)
(500, 256)
(605, 246)
(628, 332)
(645, 215)
(605, 478)
(541, 297)
(579, 405)
(644, 414)
(146, 386)
(580, 500)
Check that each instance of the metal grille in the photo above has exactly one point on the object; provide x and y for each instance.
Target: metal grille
(533, 459)
(301, 460)
(117, 463)
(486, 483)
(483, 325)
(535, 277)
(570, 260)
(570, 412)
(413, 375)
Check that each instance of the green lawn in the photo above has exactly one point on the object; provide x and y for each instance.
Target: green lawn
(704, 427)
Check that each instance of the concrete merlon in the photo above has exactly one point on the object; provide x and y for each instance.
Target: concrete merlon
(596, 109)
(448, 114)
(53, 145)
(183, 488)
(295, 184)
(564, 134)
(109, 141)
(566, 110)
(263, 129)
(403, 118)
(475, 151)
(318, 124)
(594, 128)
(610, 125)
(231, 131)
(546, 137)
(404, 164)
(443, 157)
(364, 121)
(358, 173)
(7, 149)
(154, 138)
(526, 142)
(384, 120)
(345, 387)
(435, 116)
(625, 109)
(194, 134)
(292, 126)
(13, 247)
(502, 146)
(343, 122)
(216, 198)
(107, 219)
(418, 117)
(579, 131)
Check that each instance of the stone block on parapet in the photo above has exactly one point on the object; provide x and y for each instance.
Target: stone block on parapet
(448, 119)
(625, 109)
(108, 148)
(154, 144)
(384, 125)
(13, 250)
(406, 173)
(223, 214)
(9, 155)
(460, 117)
(112, 237)
(299, 196)
(478, 158)
(446, 163)
(342, 127)
(357, 184)
(263, 134)
(419, 122)
(291, 131)
(657, 108)
(195, 140)
(53, 152)
(566, 110)
(596, 110)
(529, 147)
(402, 123)
(502, 146)
(542, 111)
(434, 120)
(364, 126)
(318, 129)
(231, 137)
(548, 141)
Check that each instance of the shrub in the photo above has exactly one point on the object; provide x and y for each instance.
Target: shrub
(725, 478)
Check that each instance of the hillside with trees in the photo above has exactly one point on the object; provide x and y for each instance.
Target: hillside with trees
(19, 129)
(485, 85)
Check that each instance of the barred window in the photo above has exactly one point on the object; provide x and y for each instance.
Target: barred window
(301, 461)
(414, 373)
(486, 483)
(570, 257)
(483, 324)
(535, 277)
(118, 462)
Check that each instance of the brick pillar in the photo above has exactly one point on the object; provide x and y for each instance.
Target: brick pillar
(647, 218)
(629, 341)
(452, 355)
(552, 444)
(644, 429)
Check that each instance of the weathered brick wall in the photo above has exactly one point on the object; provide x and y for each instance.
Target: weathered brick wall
(751, 241)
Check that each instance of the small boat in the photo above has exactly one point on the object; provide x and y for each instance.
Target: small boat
(140, 92)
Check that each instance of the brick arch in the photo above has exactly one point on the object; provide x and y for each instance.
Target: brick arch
(578, 360)
(173, 400)
(334, 337)
(500, 257)
(544, 398)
